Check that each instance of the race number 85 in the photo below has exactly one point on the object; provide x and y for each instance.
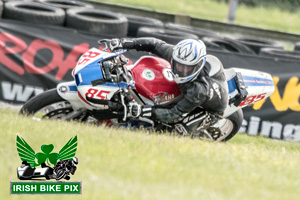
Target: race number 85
(252, 99)
(87, 57)
(102, 94)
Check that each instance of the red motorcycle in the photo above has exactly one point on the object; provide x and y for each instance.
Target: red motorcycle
(105, 88)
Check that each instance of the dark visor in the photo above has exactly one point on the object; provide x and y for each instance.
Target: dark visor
(184, 70)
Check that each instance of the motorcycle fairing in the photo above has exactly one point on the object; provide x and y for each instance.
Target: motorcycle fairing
(85, 74)
(259, 86)
(100, 56)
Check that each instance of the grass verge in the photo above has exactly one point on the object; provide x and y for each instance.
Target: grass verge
(124, 164)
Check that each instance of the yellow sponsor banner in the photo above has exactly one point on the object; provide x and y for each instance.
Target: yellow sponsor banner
(289, 98)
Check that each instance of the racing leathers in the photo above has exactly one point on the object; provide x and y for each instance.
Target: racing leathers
(208, 90)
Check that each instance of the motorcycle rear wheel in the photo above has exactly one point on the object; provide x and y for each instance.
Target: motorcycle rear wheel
(50, 105)
(230, 126)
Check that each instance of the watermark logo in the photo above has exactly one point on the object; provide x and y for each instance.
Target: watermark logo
(21, 188)
(46, 165)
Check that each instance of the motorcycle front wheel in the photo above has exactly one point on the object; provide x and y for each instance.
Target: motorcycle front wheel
(50, 105)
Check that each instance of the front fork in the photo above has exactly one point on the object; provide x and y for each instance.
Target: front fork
(124, 106)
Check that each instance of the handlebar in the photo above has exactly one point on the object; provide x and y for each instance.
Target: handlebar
(119, 60)
(117, 64)
(104, 41)
(111, 44)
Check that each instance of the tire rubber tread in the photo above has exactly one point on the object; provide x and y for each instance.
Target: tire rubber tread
(34, 12)
(237, 119)
(297, 47)
(104, 23)
(66, 4)
(228, 45)
(169, 36)
(135, 22)
(257, 44)
(280, 54)
(193, 30)
(40, 101)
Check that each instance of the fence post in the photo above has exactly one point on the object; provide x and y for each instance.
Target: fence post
(231, 11)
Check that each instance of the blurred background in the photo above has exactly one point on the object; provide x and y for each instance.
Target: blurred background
(250, 34)
(280, 15)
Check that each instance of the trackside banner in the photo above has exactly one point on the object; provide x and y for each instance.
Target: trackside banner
(34, 58)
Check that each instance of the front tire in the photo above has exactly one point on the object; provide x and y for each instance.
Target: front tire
(50, 105)
(40, 101)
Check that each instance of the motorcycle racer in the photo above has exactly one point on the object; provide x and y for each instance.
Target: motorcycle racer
(200, 77)
(108, 87)
(64, 167)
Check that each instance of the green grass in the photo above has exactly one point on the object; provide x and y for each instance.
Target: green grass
(261, 17)
(122, 164)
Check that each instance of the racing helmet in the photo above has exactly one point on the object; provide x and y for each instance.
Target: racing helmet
(75, 161)
(188, 58)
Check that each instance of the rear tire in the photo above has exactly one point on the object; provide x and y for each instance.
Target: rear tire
(231, 125)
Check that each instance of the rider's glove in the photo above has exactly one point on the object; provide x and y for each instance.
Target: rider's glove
(124, 43)
(115, 44)
(137, 110)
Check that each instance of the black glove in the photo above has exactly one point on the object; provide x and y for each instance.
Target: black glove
(115, 44)
(137, 110)
(128, 43)
(124, 43)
